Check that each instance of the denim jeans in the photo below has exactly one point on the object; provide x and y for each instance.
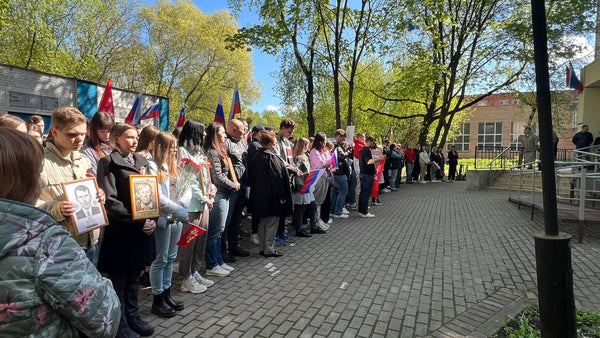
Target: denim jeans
(93, 253)
(351, 195)
(409, 170)
(366, 185)
(339, 190)
(393, 177)
(161, 269)
(216, 225)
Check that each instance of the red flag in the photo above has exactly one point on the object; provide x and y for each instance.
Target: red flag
(106, 103)
(378, 173)
(193, 232)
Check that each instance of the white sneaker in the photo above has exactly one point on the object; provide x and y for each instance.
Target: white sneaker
(345, 211)
(227, 267)
(254, 239)
(217, 271)
(322, 225)
(367, 215)
(203, 281)
(340, 216)
(385, 190)
(192, 286)
(330, 221)
(422, 182)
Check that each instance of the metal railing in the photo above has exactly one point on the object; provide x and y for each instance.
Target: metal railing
(582, 175)
(498, 157)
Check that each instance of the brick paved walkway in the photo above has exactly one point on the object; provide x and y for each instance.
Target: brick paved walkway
(437, 260)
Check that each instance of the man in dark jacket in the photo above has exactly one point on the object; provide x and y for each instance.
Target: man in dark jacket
(583, 139)
(236, 150)
(339, 189)
(253, 147)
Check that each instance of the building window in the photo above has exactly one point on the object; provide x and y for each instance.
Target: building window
(31, 101)
(489, 135)
(516, 129)
(516, 102)
(504, 102)
(463, 139)
(574, 119)
(482, 103)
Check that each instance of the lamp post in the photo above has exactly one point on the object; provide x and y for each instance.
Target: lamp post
(552, 248)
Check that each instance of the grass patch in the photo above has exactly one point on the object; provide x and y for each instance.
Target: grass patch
(527, 324)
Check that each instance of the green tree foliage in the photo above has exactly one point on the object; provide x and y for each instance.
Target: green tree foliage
(185, 58)
(80, 38)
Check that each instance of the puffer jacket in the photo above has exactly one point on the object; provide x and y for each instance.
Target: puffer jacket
(48, 287)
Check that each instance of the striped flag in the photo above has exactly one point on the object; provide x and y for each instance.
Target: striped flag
(572, 80)
(236, 106)
(334, 159)
(181, 119)
(219, 114)
(135, 113)
(311, 181)
(435, 165)
(153, 112)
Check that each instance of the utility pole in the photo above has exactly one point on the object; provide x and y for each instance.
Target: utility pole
(552, 248)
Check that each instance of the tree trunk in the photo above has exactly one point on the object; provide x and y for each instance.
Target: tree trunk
(310, 105)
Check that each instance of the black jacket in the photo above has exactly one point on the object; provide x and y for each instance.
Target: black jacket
(124, 241)
(271, 185)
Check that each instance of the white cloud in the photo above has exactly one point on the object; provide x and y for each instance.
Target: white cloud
(272, 108)
(584, 51)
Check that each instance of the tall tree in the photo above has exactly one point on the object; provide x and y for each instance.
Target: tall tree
(285, 26)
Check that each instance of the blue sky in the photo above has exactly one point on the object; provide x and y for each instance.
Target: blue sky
(263, 64)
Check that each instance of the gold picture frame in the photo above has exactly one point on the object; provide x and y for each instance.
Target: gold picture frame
(89, 213)
(206, 180)
(145, 202)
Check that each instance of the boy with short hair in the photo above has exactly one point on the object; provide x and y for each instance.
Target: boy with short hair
(63, 163)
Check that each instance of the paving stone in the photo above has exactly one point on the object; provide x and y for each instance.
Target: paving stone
(445, 270)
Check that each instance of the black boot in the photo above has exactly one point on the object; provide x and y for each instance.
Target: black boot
(141, 327)
(177, 306)
(161, 308)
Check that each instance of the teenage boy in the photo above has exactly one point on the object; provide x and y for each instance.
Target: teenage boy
(64, 163)
(367, 176)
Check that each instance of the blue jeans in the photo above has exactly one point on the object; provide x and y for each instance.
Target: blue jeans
(92, 254)
(216, 225)
(409, 170)
(339, 190)
(161, 269)
(351, 195)
(393, 177)
(366, 185)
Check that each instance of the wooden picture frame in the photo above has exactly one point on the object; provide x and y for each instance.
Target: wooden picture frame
(205, 175)
(89, 213)
(145, 201)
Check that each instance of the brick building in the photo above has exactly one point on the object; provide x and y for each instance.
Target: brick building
(497, 121)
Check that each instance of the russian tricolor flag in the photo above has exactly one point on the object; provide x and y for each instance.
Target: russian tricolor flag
(181, 120)
(311, 181)
(153, 112)
(236, 106)
(572, 80)
(334, 159)
(435, 165)
(219, 114)
(136, 111)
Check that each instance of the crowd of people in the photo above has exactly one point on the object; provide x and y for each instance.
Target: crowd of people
(266, 173)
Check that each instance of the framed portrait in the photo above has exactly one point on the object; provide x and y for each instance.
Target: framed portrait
(205, 174)
(144, 196)
(89, 213)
